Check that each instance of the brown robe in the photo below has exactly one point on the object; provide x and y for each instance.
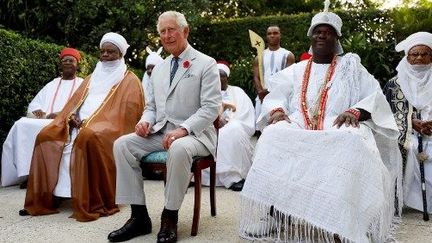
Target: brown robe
(93, 171)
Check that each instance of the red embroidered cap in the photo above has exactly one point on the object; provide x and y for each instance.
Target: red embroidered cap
(70, 52)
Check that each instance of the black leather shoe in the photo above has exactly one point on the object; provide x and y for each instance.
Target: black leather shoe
(57, 201)
(238, 186)
(132, 228)
(23, 212)
(168, 231)
(191, 184)
(23, 185)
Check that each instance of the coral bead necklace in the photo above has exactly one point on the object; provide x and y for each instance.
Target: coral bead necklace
(317, 120)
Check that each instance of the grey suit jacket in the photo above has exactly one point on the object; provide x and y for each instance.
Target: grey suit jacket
(192, 100)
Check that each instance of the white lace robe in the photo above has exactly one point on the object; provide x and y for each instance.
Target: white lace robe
(334, 181)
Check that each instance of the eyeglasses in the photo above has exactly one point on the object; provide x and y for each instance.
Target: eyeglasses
(419, 54)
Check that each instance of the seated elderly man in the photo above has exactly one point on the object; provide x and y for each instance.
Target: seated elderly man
(18, 146)
(178, 118)
(322, 168)
(234, 150)
(410, 97)
(73, 155)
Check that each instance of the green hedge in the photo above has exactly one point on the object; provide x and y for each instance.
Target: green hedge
(372, 34)
(26, 66)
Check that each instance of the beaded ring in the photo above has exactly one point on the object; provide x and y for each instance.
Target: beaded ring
(355, 112)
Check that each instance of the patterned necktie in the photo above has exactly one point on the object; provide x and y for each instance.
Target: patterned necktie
(174, 68)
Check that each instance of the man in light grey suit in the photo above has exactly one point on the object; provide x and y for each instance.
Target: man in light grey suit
(179, 118)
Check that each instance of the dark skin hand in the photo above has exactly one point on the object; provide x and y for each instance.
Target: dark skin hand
(226, 106)
(222, 122)
(262, 94)
(346, 118)
(38, 113)
(75, 121)
(278, 116)
(51, 116)
(422, 127)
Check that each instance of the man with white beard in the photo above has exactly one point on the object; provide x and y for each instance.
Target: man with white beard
(73, 156)
(410, 97)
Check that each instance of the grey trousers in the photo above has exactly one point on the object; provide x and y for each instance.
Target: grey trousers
(130, 148)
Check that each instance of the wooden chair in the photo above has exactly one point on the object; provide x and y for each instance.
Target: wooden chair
(156, 161)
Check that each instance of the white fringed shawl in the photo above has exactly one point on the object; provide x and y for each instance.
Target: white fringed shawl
(335, 181)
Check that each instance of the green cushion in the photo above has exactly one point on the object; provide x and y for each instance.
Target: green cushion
(157, 157)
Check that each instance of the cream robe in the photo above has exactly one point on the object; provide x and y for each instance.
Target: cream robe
(334, 181)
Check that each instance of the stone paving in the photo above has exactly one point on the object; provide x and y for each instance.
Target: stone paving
(222, 228)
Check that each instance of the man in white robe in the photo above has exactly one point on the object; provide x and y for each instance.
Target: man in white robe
(18, 146)
(152, 60)
(234, 150)
(325, 168)
(410, 97)
(275, 58)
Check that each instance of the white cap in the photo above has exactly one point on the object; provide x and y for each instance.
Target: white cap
(153, 58)
(116, 39)
(418, 38)
(224, 67)
(328, 18)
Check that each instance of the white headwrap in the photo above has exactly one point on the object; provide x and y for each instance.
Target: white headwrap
(415, 80)
(117, 39)
(328, 18)
(419, 38)
(224, 67)
(104, 77)
(153, 58)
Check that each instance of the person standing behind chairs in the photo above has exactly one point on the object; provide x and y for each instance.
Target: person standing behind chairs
(18, 146)
(275, 58)
(237, 126)
(152, 60)
(73, 155)
(178, 118)
(410, 94)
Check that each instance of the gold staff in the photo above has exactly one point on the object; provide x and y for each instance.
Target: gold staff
(258, 43)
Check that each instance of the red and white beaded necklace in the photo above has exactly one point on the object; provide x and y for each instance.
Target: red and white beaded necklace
(316, 123)
(56, 92)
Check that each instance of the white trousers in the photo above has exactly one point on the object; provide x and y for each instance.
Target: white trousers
(63, 187)
(130, 148)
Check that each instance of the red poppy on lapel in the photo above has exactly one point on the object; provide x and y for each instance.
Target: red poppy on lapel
(186, 64)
